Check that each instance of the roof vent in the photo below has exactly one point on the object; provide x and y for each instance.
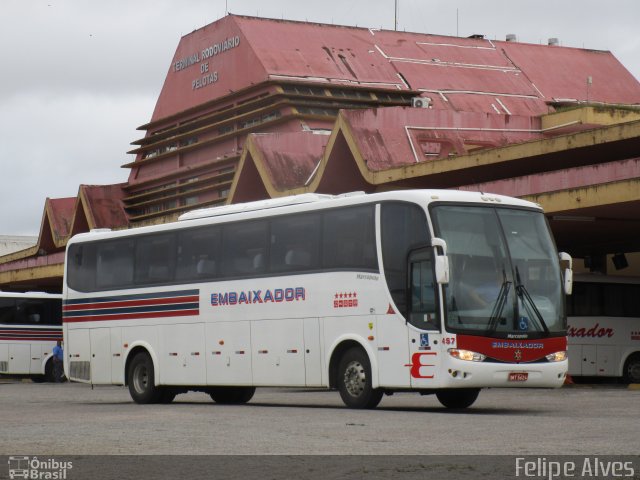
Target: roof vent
(553, 41)
(511, 37)
(421, 102)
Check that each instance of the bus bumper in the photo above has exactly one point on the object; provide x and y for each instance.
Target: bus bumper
(467, 374)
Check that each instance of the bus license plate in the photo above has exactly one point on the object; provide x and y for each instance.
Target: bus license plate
(518, 376)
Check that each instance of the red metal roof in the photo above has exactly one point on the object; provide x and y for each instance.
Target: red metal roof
(562, 72)
(392, 137)
(524, 76)
(59, 214)
(290, 158)
(324, 52)
(104, 204)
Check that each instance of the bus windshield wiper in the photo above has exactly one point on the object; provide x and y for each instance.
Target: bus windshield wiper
(501, 301)
(529, 304)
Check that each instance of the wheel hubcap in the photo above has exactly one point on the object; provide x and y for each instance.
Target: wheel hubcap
(634, 371)
(140, 378)
(354, 378)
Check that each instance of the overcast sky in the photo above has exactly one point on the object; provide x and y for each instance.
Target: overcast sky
(79, 76)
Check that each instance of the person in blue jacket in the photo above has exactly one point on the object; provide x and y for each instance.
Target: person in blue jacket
(58, 365)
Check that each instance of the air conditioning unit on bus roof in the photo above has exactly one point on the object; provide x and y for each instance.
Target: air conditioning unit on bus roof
(264, 204)
(252, 206)
(421, 102)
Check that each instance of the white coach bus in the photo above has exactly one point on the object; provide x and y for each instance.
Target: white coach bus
(30, 326)
(604, 327)
(430, 291)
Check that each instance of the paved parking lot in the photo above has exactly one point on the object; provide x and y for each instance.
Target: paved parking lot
(73, 419)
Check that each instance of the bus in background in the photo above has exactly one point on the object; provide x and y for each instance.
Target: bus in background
(30, 326)
(432, 291)
(604, 327)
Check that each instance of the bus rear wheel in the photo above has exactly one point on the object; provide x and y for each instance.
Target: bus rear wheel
(354, 381)
(142, 386)
(232, 395)
(458, 397)
(632, 369)
(49, 374)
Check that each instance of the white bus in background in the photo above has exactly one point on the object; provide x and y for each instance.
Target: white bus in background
(604, 327)
(30, 326)
(432, 291)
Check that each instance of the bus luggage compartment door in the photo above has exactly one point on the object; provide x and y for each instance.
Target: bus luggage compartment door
(312, 352)
(100, 356)
(19, 358)
(588, 359)
(278, 352)
(182, 354)
(4, 357)
(78, 351)
(228, 355)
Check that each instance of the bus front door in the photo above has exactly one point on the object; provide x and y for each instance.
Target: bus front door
(424, 320)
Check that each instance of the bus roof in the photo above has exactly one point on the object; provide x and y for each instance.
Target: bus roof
(304, 202)
(260, 205)
(444, 195)
(29, 295)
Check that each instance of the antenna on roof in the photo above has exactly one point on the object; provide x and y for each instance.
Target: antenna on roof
(395, 16)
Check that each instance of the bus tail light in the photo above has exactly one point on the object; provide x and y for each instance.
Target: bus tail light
(466, 355)
(557, 357)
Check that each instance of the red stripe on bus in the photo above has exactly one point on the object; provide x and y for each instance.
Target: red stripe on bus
(47, 339)
(130, 303)
(128, 316)
(32, 330)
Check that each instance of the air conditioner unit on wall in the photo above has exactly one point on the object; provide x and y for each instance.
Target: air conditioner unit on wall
(420, 102)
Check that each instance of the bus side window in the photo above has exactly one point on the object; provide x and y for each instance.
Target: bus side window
(244, 246)
(198, 251)
(7, 310)
(114, 266)
(30, 312)
(155, 259)
(295, 243)
(349, 238)
(423, 287)
(81, 267)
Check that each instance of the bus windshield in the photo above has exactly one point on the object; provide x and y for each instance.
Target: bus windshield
(505, 275)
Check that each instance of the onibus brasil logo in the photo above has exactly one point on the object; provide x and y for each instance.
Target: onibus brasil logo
(35, 469)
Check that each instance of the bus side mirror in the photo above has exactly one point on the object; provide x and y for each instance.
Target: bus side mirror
(568, 272)
(441, 261)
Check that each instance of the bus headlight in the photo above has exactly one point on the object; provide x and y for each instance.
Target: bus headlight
(557, 357)
(466, 355)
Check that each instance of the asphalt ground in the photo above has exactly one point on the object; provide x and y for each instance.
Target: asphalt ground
(74, 419)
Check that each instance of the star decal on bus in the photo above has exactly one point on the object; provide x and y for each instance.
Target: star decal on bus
(345, 300)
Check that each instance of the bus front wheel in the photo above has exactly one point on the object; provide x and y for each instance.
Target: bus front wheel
(354, 380)
(458, 397)
(142, 386)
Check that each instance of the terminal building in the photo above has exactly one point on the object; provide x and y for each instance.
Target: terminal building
(256, 108)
